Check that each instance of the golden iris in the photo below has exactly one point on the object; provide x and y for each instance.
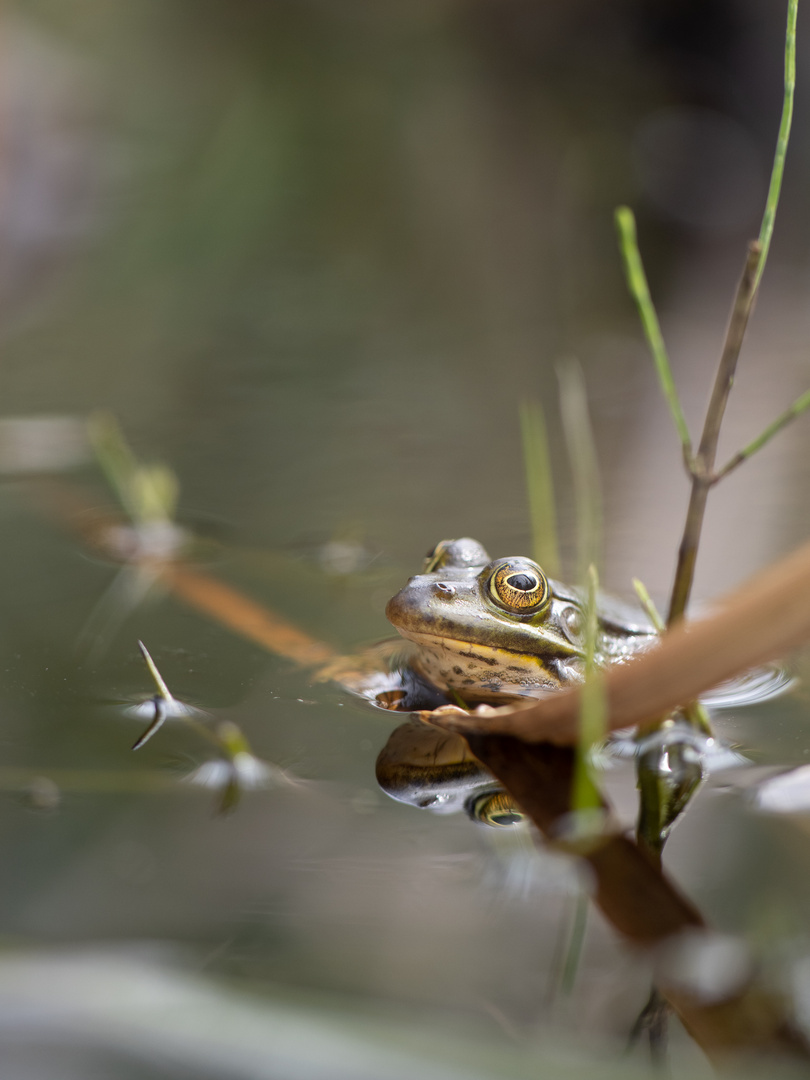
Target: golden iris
(496, 808)
(519, 586)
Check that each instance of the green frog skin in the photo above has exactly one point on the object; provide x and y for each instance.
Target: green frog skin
(495, 630)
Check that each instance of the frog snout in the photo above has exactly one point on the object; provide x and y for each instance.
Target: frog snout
(410, 608)
(398, 606)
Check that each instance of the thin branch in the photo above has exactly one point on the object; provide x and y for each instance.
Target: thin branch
(704, 461)
(640, 291)
(738, 323)
(800, 405)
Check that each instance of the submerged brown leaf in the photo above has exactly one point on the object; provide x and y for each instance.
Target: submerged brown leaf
(631, 891)
(643, 904)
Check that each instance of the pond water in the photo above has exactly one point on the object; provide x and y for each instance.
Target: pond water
(314, 260)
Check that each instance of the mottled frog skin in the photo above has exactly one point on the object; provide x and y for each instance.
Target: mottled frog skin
(495, 630)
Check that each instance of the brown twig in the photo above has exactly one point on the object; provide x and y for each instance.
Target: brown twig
(243, 615)
(701, 469)
(94, 525)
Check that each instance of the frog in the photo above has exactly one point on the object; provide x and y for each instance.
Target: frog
(484, 632)
(492, 631)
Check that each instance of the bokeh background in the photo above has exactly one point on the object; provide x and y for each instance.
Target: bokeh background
(314, 256)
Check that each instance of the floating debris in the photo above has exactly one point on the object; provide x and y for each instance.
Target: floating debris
(232, 776)
(713, 754)
(704, 965)
(163, 704)
(43, 793)
(248, 771)
(787, 793)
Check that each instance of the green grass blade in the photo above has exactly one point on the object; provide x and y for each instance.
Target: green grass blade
(588, 498)
(147, 493)
(640, 291)
(576, 941)
(775, 187)
(647, 602)
(540, 486)
(585, 795)
(583, 459)
(162, 689)
(115, 458)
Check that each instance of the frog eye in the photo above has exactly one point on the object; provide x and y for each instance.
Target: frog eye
(519, 586)
(495, 808)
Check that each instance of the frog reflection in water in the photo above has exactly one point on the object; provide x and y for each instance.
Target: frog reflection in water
(485, 632)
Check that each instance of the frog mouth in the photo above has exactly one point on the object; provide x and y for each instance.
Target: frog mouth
(481, 672)
(489, 655)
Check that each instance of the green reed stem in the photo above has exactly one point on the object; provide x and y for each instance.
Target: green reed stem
(703, 476)
(640, 291)
(576, 941)
(702, 467)
(159, 681)
(593, 713)
(116, 459)
(147, 493)
(228, 739)
(698, 717)
(588, 498)
(582, 455)
(775, 187)
(540, 485)
(802, 403)
(647, 602)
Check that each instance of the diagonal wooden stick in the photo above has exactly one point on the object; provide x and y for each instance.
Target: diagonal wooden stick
(243, 615)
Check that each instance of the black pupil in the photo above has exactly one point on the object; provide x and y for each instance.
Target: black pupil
(522, 582)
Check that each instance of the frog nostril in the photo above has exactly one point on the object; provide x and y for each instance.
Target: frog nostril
(444, 590)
